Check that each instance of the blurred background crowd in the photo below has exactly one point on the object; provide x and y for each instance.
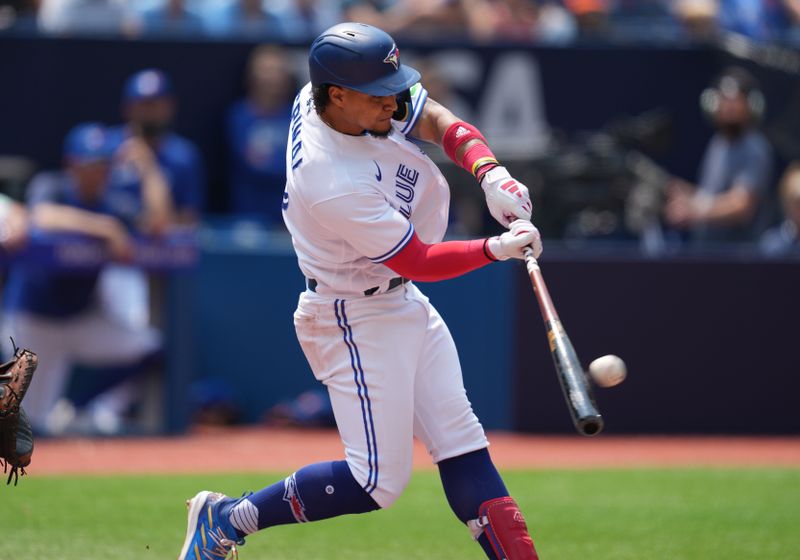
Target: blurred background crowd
(549, 21)
(149, 174)
(254, 126)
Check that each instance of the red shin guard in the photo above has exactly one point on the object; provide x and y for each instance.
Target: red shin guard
(505, 527)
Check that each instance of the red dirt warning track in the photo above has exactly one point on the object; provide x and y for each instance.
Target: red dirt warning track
(265, 449)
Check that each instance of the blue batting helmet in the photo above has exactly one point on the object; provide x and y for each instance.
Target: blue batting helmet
(359, 57)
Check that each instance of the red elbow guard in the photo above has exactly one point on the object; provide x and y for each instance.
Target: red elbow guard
(505, 527)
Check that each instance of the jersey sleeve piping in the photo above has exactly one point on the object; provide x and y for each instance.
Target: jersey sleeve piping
(397, 248)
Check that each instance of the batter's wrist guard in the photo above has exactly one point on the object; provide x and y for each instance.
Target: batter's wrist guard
(505, 528)
(478, 158)
(487, 252)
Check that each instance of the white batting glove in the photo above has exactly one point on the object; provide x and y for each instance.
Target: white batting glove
(509, 245)
(507, 198)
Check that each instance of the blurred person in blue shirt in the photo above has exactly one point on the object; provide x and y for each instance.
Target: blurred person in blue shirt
(784, 238)
(241, 19)
(649, 20)
(256, 135)
(57, 311)
(149, 106)
(736, 169)
(171, 17)
(763, 20)
(640, 7)
(698, 19)
(85, 17)
(591, 16)
(432, 18)
(301, 19)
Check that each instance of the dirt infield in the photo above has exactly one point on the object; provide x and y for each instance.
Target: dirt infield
(261, 449)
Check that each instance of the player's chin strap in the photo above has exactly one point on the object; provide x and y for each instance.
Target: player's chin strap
(505, 527)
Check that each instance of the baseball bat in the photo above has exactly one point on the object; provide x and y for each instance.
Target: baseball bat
(573, 380)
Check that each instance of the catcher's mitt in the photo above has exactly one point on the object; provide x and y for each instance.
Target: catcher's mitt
(16, 437)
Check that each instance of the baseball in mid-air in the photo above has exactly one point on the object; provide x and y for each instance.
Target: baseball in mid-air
(608, 370)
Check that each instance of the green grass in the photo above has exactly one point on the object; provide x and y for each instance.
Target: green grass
(574, 515)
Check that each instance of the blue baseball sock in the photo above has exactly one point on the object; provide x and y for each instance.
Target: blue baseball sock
(468, 481)
(314, 492)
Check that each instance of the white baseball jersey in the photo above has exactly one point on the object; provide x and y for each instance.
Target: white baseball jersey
(353, 202)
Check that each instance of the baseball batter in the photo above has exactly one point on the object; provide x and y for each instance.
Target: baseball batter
(367, 210)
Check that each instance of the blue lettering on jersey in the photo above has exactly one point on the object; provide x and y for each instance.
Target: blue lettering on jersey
(285, 203)
(297, 144)
(404, 183)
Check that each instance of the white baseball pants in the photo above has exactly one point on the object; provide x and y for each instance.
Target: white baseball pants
(91, 338)
(392, 372)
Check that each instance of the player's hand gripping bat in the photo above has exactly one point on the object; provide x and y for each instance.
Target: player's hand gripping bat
(571, 376)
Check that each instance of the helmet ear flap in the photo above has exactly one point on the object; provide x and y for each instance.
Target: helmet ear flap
(403, 106)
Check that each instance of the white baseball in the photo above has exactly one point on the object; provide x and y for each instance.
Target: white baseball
(608, 370)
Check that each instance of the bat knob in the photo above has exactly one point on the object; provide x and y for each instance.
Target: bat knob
(590, 425)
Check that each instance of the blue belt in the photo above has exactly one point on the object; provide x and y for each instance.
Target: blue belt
(393, 283)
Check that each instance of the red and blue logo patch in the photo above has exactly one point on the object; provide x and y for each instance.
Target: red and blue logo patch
(291, 496)
(393, 57)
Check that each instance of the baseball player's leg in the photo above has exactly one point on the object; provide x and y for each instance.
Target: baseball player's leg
(443, 416)
(124, 293)
(366, 351)
(349, 345)
(444, 421)
(100, 340)
(217, 522)
(477, 495)
(124, 352)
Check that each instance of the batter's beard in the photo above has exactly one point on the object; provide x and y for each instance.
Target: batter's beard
(380, 133)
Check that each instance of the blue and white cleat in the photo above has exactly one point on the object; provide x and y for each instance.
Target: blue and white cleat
(208, 536)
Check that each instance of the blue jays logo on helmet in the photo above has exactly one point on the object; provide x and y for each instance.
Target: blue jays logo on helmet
(393, 57)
